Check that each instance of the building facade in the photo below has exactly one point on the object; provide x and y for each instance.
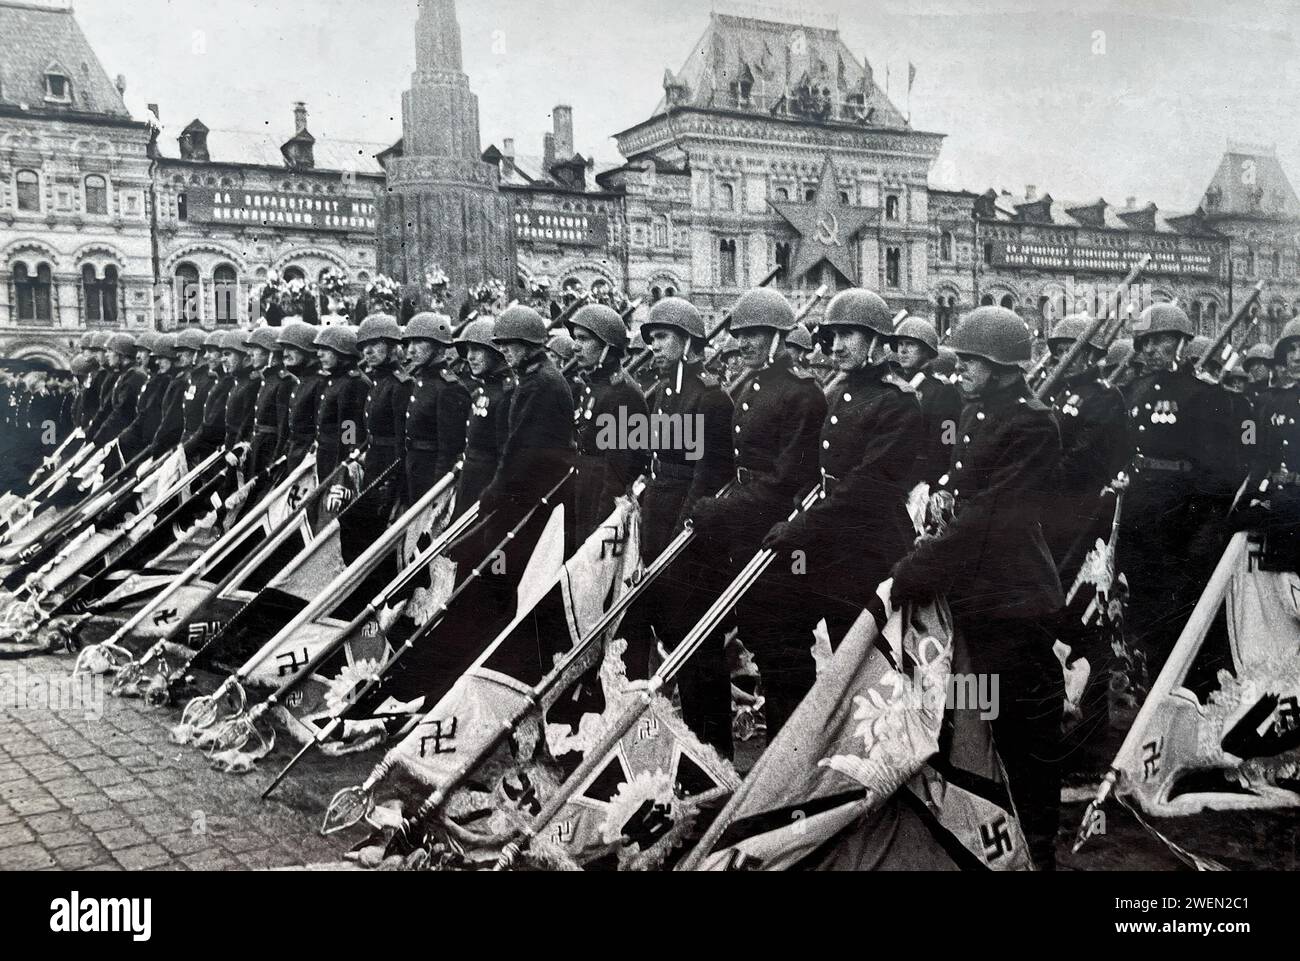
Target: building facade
(75, 239)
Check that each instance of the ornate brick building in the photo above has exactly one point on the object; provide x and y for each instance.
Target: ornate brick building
(75, 247)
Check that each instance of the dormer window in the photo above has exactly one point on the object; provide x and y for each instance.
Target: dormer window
(58, 88)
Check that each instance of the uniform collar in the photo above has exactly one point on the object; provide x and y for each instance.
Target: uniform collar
(1000, 398)
(536, 362)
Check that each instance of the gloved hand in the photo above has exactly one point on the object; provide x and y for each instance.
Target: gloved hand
(783, 536)
(907, 588)
(706, 515)
(339, 496)
(235, 456)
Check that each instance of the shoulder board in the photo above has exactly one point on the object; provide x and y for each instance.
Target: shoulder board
(354, 372)
(708, 380)
(803, 374)
(402, 377)
(898, 383)
(448, 376)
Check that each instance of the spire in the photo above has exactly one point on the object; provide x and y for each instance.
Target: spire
(437, 38)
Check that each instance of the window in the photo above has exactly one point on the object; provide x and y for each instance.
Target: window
(294, 273)
(1276, 259)
(32, 294)
(986, 300)
(727, 263)
(225, 288)
(893, 266)
(670, 291)
(844, 197)
(783, 259)
(944, 312)
(182, 209)
(988, 252)
(810, 194)
(782, 193)
(1195, 316)
(1007, 302)
(726, 196)
(96, 195)
(661, 232)
(1250, 263)
(655, 295)
(29, 191)
(891, 207)
(188, 294)
(945, 246)
(58, 87)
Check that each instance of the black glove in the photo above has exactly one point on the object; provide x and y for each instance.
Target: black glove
(783, 536)
(906, 588)
(706, 515)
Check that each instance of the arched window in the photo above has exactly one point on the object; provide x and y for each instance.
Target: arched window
(783, 259)
(99, 297)
(727, 263)
(661, 232)
(655, 295)
(294, 273)
(96, 195)
(782, 193)
(986, 300)
(891, 207)
(29, 191)
(1250, 263)
(726, 196)
(1008, 302)
(670, 291)
(189, 294)
(33, 293)
(1195, 316)
(1276, 260)
(225, 290)
(1211, 314)
(844, 197)
(945, 246)
(893, 266)
(810, 194)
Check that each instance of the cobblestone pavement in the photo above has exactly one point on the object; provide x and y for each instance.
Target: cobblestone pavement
(105, 789)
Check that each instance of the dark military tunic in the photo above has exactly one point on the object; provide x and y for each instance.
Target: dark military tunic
(941, 410)
(270, 417)
(304, 404)
(486, 428)
(240, 406)
(198, 382)
(435, 429)
(149, 411)
(340, 417)
(123, 404)
(171, 425)
(385, 417)
(211, 432)
(106, 384)
(87, 405)
(608, 403)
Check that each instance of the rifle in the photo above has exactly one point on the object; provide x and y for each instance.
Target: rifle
(692, 642)
(1238, 316)
(428, 628)
(1112, 305)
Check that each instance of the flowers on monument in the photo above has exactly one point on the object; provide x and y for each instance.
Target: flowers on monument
(436, 279)
(332, 284)
(384, 295)
(488, 294)
(289, 295)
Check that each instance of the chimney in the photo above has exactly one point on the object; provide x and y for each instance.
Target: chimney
(562, 117)
(299, 117)
(1130, 203)
(548, 154)
(508, 155)
(1031, 193)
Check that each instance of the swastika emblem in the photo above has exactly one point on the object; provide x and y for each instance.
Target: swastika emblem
(612, 543)
(562, 833)
(1151, 751)
(1288, 715)
(164, 617)
(996, 838)
(442, 731)
(648, 729)
(294, 665)
(201, 632)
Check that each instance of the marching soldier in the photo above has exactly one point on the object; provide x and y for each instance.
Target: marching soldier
(171, 425)
(917, 345)
(1259, 370)
(607, 398)
(275, 385)
(685, 397)
(87, 405)
(776, 440)
(297, 340)
(151, 349)
(488, 422)
(124, 397)
(1185, 461)
(438, 411)
(730, 362)
(1274, 491)
(993, 565)
(799, 345)
(236, 358)
(341, 409)
(210, 433)
(561, 348)
(1120, 366)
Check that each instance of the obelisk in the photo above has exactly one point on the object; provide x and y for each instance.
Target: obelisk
(443, 205)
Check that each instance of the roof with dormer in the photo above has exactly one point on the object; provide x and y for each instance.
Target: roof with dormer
(1250, 183)
(37, 40)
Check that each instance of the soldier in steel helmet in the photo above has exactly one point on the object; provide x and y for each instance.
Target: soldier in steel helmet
(993, 565)
(438, 411)
(1187, 463)
(1272, 497)
(153, 357)
(275, 385)
(341, 403)
(171, 426)
(776, 428)
(237, 359)
(851, 537)
(607, 399)
(680, 476)
(1258, 365)
(88, 380)
(488, 421)
(296, 339)
(210, 432)
(916, 344)
(123, 399)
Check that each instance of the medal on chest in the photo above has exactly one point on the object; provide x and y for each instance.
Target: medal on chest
(1165, 412)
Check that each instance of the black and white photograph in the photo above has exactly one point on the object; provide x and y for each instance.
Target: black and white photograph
(538, 436)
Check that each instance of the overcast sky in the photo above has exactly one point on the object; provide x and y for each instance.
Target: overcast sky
(1079, 97)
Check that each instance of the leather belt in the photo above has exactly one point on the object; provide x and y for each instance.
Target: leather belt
(747, 475)
(264, 430)
(424, 446)
(384, 443)
(670, 471)
(1142, 462)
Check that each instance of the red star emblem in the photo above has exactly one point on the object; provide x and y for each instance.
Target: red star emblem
(827, 227)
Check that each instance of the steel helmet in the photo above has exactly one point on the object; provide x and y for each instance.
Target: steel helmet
(561, 345)
(522, 324)
(1163, 319)
(1290, 332)
(429, 326)
(603, 323)
(1260, 352)
(99, 340)
(479, 333)
(379, 327)
(121, 344)
(919, 329)
(298, 334)
(678, 314)
(86, 341)
(944, 363)
(213, 340)
(145, 340)
(191, 338)
(995, 334)
(267, 338)
(860, 308)
(164, 345)
(1197, 348)
(339, 338)
(81, 366)
(1071, 328)
(1120, 353)
(762, 307)
(800, 337)
(236, 340)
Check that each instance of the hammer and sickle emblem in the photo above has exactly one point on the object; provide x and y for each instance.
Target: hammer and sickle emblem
(828, 231)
